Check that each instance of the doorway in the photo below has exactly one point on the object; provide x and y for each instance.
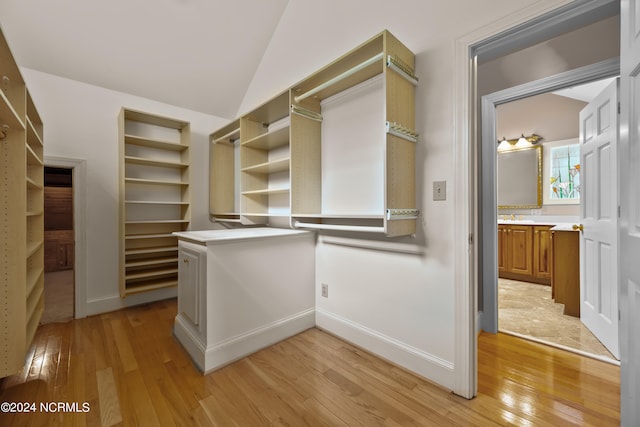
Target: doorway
(59, 243)
(527, 306)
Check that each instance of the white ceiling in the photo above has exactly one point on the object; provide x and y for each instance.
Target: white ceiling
(196, 54)
(586, 92)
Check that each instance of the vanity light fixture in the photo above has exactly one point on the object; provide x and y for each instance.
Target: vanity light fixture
(522, 142)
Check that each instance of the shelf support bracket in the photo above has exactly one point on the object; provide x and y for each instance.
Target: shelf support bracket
(306, 113)
(397, 214)
(400, 131)
(397, 65)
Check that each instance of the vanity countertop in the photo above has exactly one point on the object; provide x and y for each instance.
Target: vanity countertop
(554, 221)
(219, 236)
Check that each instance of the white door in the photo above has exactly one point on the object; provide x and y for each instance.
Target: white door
(630, 212)
(599, 217)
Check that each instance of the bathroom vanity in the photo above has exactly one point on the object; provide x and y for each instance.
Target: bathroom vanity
(544, 252)
(241, 290)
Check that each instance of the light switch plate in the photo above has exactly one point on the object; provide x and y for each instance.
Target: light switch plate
(439, 190)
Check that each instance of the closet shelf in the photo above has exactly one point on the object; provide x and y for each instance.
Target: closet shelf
(150, 285)
(32, 133)
(33, 278)
(150, 262)
(152, 250)
(151, 273)
(153, 182)
(280, 165)
(265, 192)
(32, 247)
(149, 236)
(156, 202)
(34, 213)
(156, 163)
(154, 143)
(34, 185)
(32, 157)
(157, 221)
(9, 116)
(269, 140)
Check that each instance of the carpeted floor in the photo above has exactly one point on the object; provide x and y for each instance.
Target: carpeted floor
(58, 297)
(527, 309)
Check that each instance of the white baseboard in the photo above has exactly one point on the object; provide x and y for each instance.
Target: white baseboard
(115, 302)
(429, 366)
(217, 355)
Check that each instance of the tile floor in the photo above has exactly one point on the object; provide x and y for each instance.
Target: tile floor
(527, 309)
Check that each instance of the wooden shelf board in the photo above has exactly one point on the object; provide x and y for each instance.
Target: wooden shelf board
(156, 163)
(150, 262)
(31, 183)
(154, 143)
(265, 192)
(34, 213)
(150, 273)
(34, 322)
(148, 236)
(9, 116)
(32, 157)
(153, 182)
(152, 250)
(154, 119)
(227, 133)
(154, 202)
(33, 301)
(280, 165)
(269, 140)
(158, 221)
(33, 277)
(131, 289)
(31, 128)
(272, 110)
(32, 247)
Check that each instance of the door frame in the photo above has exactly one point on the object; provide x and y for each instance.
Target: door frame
(487, 204)
(79, 177)
(530, 25)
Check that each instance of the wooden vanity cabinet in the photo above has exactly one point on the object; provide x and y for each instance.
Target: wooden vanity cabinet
(524, 252)
(566, 271)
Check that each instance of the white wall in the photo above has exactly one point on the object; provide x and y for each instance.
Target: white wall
(398, 305)
(81, 122)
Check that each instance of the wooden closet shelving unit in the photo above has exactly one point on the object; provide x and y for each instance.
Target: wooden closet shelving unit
(154, 199)
(22, 216)
(281, 149)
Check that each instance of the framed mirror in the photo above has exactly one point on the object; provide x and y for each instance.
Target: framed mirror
(520, 178)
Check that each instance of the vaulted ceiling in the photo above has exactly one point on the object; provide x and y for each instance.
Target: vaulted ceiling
(196, 54)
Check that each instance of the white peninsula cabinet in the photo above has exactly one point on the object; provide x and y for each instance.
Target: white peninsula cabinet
(241, 290)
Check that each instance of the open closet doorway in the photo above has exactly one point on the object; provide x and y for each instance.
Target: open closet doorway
(59, 241)
(538, 251)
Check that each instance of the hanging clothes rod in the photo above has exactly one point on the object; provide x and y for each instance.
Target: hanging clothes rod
(361, 229)
(340, 77)
(228, 136)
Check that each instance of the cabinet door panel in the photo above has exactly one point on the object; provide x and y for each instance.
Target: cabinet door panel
(521, 250)
(542, 252)
(503, 248)
(188, 288)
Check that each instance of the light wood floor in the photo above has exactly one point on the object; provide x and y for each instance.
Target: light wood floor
(129, 370)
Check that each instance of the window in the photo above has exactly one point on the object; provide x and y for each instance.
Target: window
(561, 178)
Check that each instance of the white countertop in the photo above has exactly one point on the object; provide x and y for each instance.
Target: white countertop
(213, 236)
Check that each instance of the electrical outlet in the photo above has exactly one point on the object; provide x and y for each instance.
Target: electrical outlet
(439, 190)
(325, 290)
